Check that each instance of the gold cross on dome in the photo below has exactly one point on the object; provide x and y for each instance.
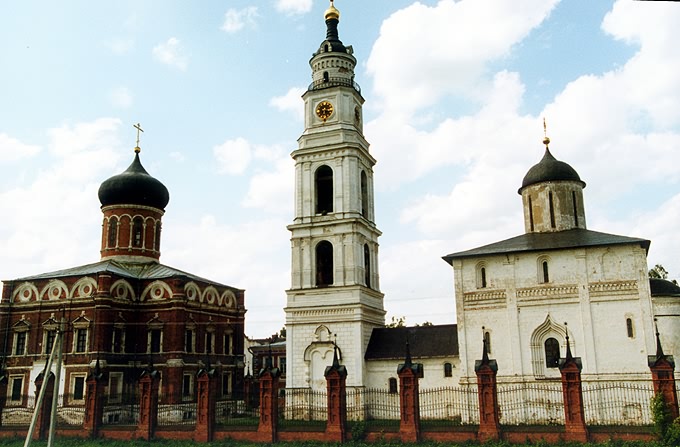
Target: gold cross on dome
(139, 129)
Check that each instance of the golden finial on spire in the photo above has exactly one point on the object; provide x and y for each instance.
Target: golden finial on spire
(332, 12)
(546, 140)
(139, 129)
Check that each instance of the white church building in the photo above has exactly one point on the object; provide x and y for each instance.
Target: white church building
(522, 295)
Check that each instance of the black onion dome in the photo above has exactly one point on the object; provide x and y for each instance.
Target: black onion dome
(550, 169)
(134, 186)
(663, 287)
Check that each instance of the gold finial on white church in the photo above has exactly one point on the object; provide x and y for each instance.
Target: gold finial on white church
(546, 140)
(139, 129)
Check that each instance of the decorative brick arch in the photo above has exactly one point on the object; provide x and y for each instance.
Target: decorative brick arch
(192, 291)
(228, 299)
(25, 292)
(54, 290)
(122, 290)
(157, 290)
(210, 295)
(84, 288)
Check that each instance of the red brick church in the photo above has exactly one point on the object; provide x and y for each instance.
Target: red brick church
(123, 313)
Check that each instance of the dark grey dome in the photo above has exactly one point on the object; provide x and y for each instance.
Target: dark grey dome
(134, 187)
(663, 287)
(550, 169)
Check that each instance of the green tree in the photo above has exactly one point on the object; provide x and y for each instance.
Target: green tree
(659, 272)
(397, 322)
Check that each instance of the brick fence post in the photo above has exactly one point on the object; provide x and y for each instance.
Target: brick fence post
(94, 405)
(267, 430)
(43, 422)
(205, 419)
(489, 426)
(572, 394)
(663, 377)
(336, 376)
(409, 398)
(148, 403)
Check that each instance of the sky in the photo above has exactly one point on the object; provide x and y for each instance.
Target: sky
(456, 93)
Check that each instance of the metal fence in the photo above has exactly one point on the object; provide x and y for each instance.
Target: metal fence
(230, 412)
(177, 414)
(17, 413)
(298, 405)
(618, 403)
(530, 403)
(70, 411)
(379, 407)
(121, 409)
(449, 406)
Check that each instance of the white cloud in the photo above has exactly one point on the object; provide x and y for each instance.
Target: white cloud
(272, 191)
(447, 43)
(294, 6)
(618, 129)
(237, 19)
(12, 149)
(120, 45)
(237, 255)
(121, 97)
(290, 102)
(84, 137)
(233, 156)
(171, 53)
(58, 203)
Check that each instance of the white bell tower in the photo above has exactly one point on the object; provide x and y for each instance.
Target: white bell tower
(335, 295)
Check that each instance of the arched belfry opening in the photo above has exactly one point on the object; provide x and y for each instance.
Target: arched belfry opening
(367, 265)
(113, 232)
(364, 194)
(323, 182)
(137, 231)
(324, 264)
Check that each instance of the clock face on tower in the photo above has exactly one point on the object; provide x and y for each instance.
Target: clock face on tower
(324, 110)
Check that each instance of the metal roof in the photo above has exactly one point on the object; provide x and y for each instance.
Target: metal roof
(528, 242)
(424, 341)
(136, 270)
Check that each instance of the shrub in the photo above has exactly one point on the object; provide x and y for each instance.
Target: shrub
(661, 416)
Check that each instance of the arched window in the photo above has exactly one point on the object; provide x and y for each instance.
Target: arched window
(367, 265)
(552, 353)
(531, 215)
(157, 243)
(393, 385)
(137, 232)
(481, 275)
(629, 327)
(573, 201)
(323, 180)
(364, 195)
(113, 232)
(545, 275)
(325, 76)
(324, 264)
(552, 209)
(487, 341)
(448, 370)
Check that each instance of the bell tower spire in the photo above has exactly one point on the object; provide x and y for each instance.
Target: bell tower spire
(334, 238)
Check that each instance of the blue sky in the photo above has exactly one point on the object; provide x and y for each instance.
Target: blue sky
(455, 95)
